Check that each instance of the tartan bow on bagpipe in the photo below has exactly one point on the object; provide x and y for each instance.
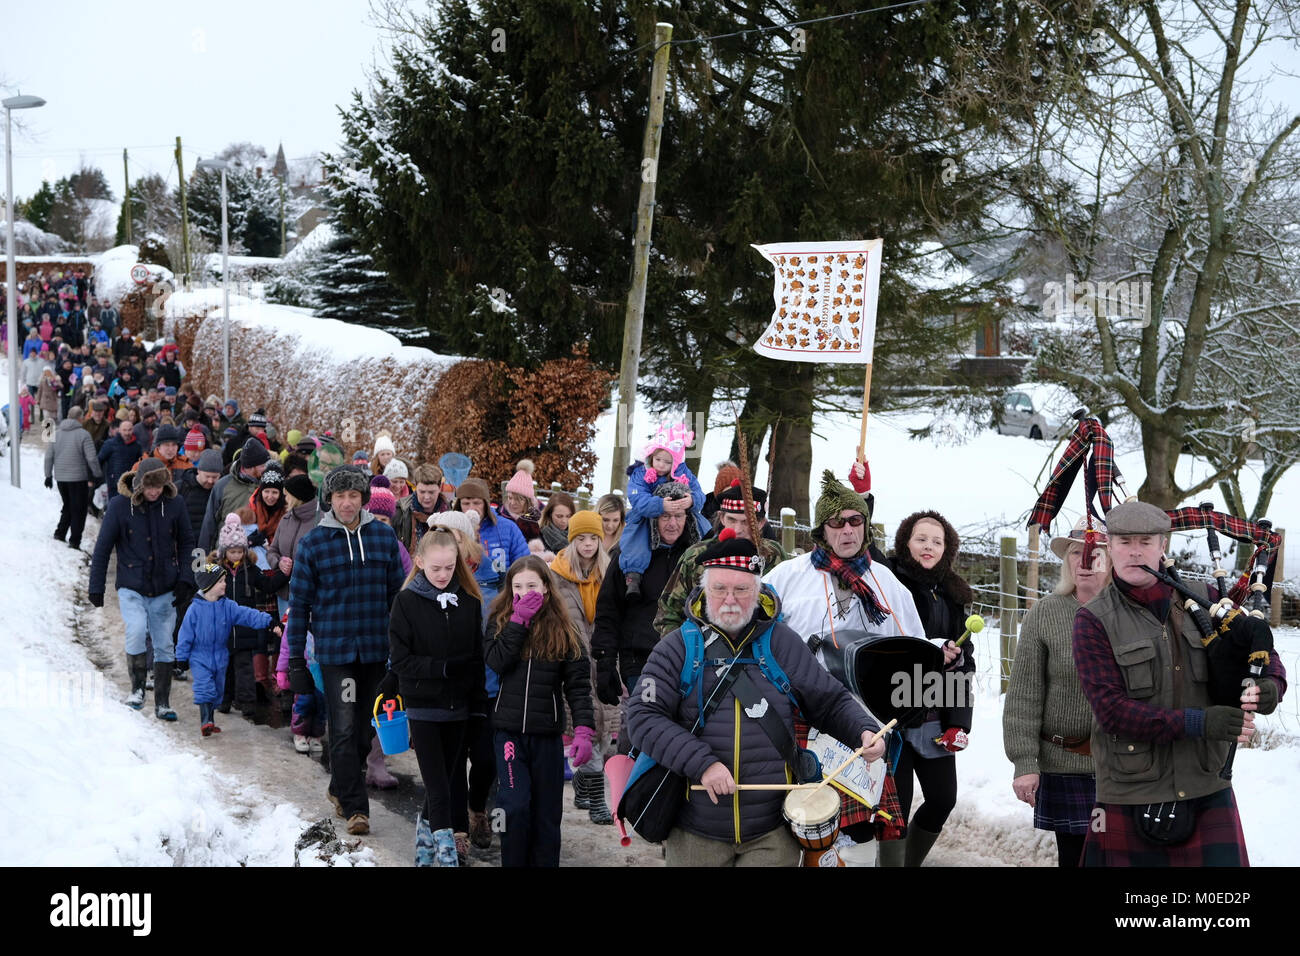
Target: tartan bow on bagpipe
(1099, 479)
(1266, 541)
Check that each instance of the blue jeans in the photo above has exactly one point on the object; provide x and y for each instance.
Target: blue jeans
(153, 617)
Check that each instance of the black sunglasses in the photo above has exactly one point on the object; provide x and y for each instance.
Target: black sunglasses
(853, 521)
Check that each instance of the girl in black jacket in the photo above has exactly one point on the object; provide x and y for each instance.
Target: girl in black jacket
(250, 648)
(924, 550)
(536, 649)
(435, 647)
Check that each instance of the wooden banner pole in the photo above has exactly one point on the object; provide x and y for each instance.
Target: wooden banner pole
(866, 404)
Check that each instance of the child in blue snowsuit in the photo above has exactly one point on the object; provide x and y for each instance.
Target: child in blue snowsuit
(204, 639)
(663, 461)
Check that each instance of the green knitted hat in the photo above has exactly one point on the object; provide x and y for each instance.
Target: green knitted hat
(835, 498)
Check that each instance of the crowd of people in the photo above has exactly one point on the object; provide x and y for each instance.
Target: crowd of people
(531, 640)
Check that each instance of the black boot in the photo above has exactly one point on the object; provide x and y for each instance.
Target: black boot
(135, 667)
(162, 686)
(592, 785)
(919, 844)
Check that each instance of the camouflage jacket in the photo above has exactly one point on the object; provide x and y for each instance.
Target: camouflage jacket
(684, 578)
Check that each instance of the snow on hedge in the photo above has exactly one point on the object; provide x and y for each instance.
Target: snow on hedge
(307, 371)
(113, 273)
(31, 240)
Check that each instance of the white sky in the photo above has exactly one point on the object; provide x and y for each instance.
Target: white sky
(138, 75)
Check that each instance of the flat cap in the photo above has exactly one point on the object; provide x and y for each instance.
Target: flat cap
(1137, 517)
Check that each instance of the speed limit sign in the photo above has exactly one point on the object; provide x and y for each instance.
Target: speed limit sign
(140, 274)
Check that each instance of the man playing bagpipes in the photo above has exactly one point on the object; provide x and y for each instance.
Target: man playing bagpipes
(1164, 682)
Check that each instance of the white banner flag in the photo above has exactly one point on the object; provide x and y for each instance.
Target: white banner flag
(825, 295)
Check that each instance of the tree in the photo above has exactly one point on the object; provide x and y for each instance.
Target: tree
(252, 205)
(1175, 188)
(37, 209)
(78, 212)
(154, 209)
(345, 284)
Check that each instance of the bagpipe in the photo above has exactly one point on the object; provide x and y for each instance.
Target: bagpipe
(1234, 627)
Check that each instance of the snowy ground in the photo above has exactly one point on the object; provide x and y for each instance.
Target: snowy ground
(90, 782)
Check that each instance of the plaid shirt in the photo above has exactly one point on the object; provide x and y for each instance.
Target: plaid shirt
(341, 589)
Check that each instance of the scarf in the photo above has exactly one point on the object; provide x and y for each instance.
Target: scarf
(852, 574)
(588, 587)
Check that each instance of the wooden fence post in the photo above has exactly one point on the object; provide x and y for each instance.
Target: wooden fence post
(787, 530)
(1031, 573)
(878, 536)
(1008, 591)
(583, 499)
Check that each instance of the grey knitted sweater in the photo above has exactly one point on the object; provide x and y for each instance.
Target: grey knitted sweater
(1044, 695)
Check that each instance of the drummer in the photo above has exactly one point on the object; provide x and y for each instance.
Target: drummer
(719, 826)
(837, 587)
(1158, 740)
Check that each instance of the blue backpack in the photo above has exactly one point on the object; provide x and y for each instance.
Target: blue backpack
(760, 653)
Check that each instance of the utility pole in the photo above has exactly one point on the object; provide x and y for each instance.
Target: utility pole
(282, 248)
(635, 315)
(126, 206)
(185, 219)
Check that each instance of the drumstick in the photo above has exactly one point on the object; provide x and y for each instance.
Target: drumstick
(764, 786)
(856, 754)
(974, 624)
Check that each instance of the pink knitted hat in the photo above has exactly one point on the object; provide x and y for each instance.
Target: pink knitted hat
(522, 484)
(231, 535)
(382, 502)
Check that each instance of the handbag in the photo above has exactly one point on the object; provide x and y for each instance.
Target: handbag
(654, 794)
(1165, 824)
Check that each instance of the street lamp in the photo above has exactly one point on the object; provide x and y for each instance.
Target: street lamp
(222, 165)
(11, 282)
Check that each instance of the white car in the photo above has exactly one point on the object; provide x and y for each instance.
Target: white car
(1038, 410)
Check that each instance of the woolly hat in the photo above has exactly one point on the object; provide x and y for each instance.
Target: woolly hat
(586, 522)
(231, 535)
(382, 502)
(727, 473)
(397, 469)
(195, 442)
(729, 550)
(294, 437)
(673, 440)
(380, 481)
(300, 487)
(273, 477)
(231, 403)
(207, 578)
(253, 453)
(835, 498)
(210, 402)
(522, 484)
(361, 457)
(166, 433)
(123, 414)
(473, 488)
(526, 464)
(733, 500)
(348, 478)
(383, 442)
(210, 460)
(464, 522)
(257, 419)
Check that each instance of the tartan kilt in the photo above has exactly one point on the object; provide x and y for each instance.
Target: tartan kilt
(853, 811)
(1064, 802)
(1217, 841)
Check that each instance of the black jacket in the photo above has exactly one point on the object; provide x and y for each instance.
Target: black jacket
(436, 647)
(944, 618)
(625, 628)
(153, 540)
(193, 494)
(249, 586)
(529, 699)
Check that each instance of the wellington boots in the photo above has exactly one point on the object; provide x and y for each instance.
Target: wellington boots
(377, 774)
(580, 801)
(891, 853)
(446, 842)
(136, 668)
(426, 850)
(593, 786)
(162, 686)
(919, 844)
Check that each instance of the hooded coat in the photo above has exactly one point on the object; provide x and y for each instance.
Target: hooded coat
(203, 642)
(660, 722)
(154, 542)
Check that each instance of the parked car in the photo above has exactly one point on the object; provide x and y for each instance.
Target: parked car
(1038, 410)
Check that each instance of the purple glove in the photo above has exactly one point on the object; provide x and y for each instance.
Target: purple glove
(651, 476)
(526, 607)
(580, 749)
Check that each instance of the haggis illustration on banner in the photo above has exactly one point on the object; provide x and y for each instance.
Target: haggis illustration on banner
(825, 294)
(865, 781)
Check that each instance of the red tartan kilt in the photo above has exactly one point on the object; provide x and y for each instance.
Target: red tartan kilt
(1217, 841)
(852, 810)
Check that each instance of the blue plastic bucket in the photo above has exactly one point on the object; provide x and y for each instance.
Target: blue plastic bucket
(455, 467)
(394, 732)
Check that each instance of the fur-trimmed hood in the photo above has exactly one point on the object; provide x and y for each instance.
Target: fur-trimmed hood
(127, 486)
(942, 574)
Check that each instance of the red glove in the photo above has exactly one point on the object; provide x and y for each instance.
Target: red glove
(860, 485)
(953, 740)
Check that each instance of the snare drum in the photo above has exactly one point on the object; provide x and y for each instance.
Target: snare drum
(814, 817)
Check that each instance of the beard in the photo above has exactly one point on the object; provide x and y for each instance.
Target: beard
(731, 617)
